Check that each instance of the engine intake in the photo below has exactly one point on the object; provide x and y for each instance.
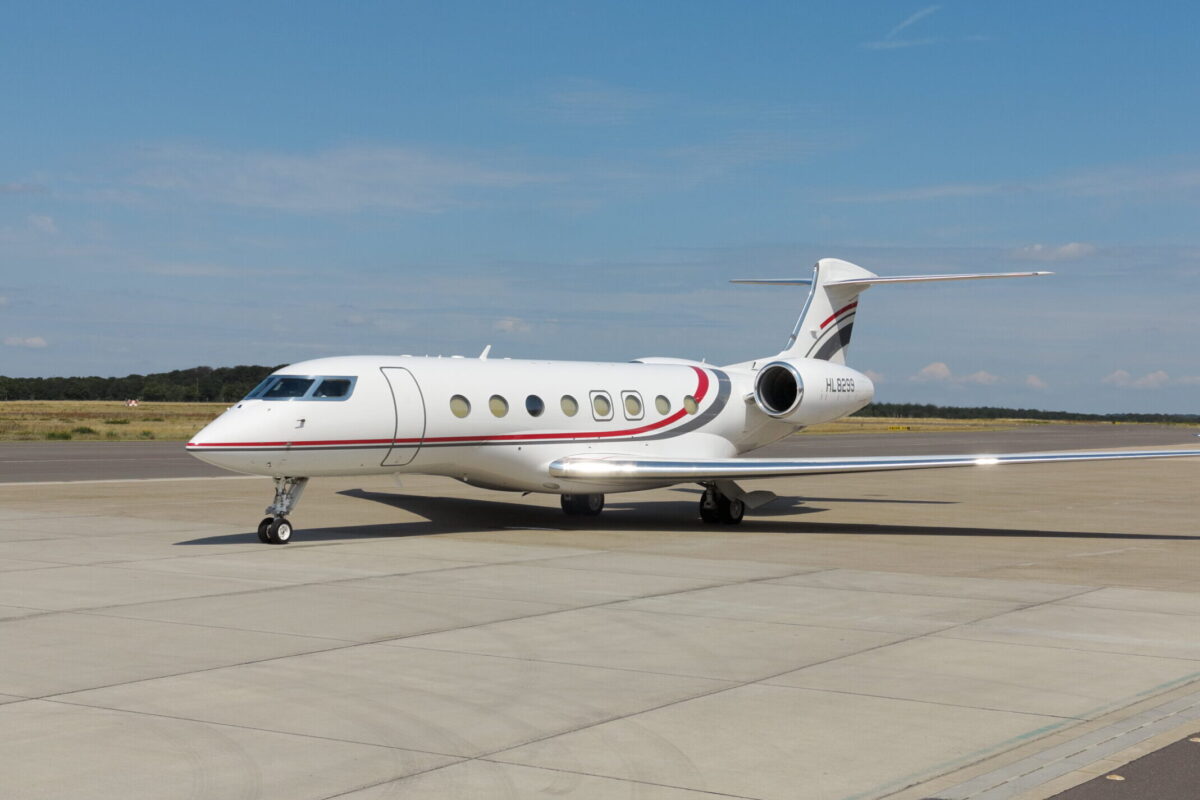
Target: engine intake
(778, 389)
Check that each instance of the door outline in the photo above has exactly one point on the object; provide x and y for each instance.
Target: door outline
(395, 456)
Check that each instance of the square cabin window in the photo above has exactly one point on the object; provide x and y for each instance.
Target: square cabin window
(602, 407)
(632, 404)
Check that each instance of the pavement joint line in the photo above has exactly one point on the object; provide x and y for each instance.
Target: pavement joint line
(258, 729)
(1040, 768)
(925, 702)
(949, 635)
(350, 645)
(59, 697)
(737, 685)
(936, 770)
(486, 760)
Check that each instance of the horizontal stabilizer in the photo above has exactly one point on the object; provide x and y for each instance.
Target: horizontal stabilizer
(971, 276)
(775, 281)
(618, 467)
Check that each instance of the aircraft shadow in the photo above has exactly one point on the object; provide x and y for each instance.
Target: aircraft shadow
(444, 515)
(808, 498)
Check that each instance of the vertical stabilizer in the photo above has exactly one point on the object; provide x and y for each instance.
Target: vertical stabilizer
(824, 328)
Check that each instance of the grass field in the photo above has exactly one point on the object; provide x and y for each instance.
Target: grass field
(29, 420)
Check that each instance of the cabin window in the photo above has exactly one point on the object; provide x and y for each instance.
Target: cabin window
(570, 406)
(663, 405)
(460, 406)
(690, 404)
(498, 405)
(602, 408)
(633, 405)
(534, 405)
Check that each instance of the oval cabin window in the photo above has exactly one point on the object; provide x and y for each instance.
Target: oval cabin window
(690, 404)
(633, 406)
(663, 405)
(602, 406)
(570, 406)
(498, 405)
(460, 406)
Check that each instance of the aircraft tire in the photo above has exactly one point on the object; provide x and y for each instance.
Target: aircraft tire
(709, 513)
(730, 511)
(592, 504)
(280, 531)
(262, 530)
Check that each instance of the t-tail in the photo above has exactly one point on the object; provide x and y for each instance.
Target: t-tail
(827, 320)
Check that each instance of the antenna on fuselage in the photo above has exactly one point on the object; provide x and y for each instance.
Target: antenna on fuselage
(483, 356)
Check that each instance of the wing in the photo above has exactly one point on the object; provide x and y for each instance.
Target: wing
(618, 467)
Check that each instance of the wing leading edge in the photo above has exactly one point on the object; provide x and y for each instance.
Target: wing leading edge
(619, 467)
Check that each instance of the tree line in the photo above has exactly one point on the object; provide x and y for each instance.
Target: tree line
(228, 384)
(919, 411)
(195, 385)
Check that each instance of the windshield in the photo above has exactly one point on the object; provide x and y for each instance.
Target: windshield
(303, 387)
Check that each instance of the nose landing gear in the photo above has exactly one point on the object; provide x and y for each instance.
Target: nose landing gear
(277, 529)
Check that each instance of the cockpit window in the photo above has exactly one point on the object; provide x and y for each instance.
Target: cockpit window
(304, 387)
(330, 388)
(285, 388)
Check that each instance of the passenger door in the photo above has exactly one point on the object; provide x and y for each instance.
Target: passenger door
(410, 416)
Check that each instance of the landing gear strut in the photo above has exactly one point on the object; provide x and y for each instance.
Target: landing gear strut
(716, 506)
(586, 505)
(276, 528)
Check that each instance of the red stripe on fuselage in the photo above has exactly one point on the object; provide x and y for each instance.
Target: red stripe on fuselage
(702, 386)
(837, 314)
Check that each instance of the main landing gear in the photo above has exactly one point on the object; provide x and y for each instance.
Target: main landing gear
(276, 529)
(716, 506)
(582, 505)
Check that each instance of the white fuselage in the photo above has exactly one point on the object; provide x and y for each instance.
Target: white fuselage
(512, 417)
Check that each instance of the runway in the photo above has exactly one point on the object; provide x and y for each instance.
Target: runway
(989, 633)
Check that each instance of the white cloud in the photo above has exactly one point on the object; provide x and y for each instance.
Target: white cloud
(1124, 380)
(511, 325)
(1034, 382)
(42, 223)
(1146, 181)
(876, 377)
(980, 378)
(1065, 252)
(24, 341)
(345, 179)
(889, 40)
(915, 17)
(939, 372)
(590, 102)
(20, 188)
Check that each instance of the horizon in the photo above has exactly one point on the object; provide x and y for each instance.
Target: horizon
(289, 181)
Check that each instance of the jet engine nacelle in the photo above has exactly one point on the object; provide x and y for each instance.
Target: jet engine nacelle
(804, 391)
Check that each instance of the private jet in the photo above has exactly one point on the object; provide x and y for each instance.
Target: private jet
(577, 429)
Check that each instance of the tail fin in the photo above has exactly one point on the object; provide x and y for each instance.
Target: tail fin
(827, 319)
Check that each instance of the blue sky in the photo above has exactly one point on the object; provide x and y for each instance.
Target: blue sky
(261, 183)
